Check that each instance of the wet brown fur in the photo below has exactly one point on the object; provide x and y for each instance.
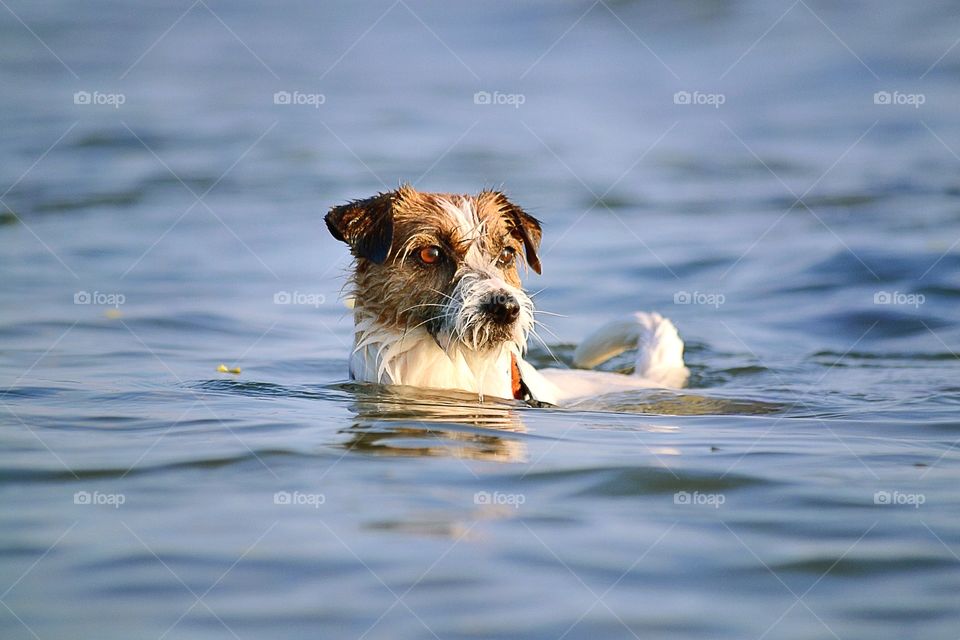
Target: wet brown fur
(386, 232)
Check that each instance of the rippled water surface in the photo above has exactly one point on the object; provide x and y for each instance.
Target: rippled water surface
(802, 234)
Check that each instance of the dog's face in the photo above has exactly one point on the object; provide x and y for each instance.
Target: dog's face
(448, 263)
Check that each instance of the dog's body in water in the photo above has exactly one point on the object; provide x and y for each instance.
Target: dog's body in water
(438, 303)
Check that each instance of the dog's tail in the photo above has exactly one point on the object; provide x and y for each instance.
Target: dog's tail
(659, 348)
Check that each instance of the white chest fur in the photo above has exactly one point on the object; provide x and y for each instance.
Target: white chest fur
(416, 359)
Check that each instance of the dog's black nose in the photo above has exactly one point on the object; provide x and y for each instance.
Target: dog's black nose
(503, 308)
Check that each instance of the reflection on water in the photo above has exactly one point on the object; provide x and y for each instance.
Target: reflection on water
(410, 422)
(401, 421)
(677, 403)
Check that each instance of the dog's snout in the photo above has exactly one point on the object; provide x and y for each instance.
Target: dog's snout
(502, 307)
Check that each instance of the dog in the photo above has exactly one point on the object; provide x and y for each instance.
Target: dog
(437, 302)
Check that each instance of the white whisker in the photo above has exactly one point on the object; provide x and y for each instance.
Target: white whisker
(549, 350)
(550, 313)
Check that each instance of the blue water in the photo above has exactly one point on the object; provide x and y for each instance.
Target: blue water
(803, 486)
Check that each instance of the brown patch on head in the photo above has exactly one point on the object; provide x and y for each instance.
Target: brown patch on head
(365, 225)
(389, 232)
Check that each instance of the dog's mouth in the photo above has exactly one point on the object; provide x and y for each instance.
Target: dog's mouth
(482, 314)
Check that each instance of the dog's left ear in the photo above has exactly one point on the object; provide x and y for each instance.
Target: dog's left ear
(365, 225)
(523, 226)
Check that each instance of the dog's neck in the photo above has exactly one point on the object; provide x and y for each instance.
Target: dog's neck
(414, 357)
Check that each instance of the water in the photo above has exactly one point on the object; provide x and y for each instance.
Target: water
(803, 486)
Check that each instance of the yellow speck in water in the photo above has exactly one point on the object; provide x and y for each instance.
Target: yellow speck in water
(225, 369)
(113, 314)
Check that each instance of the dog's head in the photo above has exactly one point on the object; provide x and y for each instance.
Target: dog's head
(448, 263)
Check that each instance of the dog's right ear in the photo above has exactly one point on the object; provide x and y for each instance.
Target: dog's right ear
(365, 225)
(523, 226)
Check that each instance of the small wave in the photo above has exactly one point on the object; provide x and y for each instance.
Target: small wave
(867, 265)
(245, 388)
(30, 393)
(870, 325)
(844, 565)
(33, 475)
(119, 198)
(631, 481)
(910, 356)
(214, 323)
(672, 403)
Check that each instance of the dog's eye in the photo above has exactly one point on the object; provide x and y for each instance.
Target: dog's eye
(507, 256)
(430, 255)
